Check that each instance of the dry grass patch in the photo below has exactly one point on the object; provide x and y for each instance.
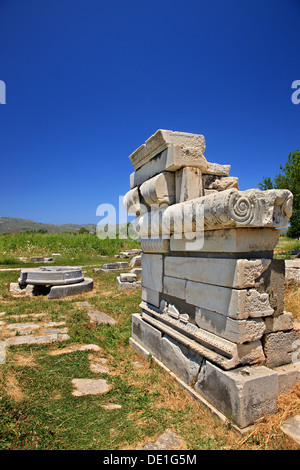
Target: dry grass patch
(266, 433)
(292, 299)
(13, 389)
(24, 359)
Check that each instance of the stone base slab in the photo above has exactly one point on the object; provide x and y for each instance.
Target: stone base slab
(236, 419)
(59, 292)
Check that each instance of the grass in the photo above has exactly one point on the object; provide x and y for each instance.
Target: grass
(285, 246)
(38, 410)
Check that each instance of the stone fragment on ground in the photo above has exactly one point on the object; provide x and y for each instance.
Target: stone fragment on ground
(36, 339)
(100, 317)
(97, 366)
(89, 387)
(96, 316)
(291, 427)
(32, 333)
(112, 406)
(167, 441)
(75, 348)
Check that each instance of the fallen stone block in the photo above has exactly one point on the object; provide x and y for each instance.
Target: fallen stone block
(291, 427)
(128, 285)
(136, 261)
(288, 376)
(292, 270)
(59, 292)
(136, 271)
(128, 277)
(15, 288)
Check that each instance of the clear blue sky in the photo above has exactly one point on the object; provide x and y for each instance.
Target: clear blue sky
(88, 81)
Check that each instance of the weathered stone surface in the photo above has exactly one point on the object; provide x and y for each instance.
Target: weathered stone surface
(237, 331)
(159, 245)
(100, 317)
(278, 347)
(112, 266)
(150, 296)
(132, 202)
(152, 266)
(188, 184)
(54, 275)
(235, 303)
(179, 359)
(159, 190)
(219, 183)
(112, 406)
(291, 427)
(122, 285)
(161, 140)
(205, 344)
(225, 209)
(15, 288)
(37, 259)
(292, 270)
(243, 240)
(75, 348)
(168, 440)
(89, 387)
(136, 261)
(128, 277)
(245, 394)
(288, 376)
(38, 339)
(237, 273)
(272, 282)
(23, 328)
(59, 292)
(282, 322)
(146, 335)
(136, 271)
(171, 159)
(217, 169)
(174, 286)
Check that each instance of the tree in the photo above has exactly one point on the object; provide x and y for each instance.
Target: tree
(288, 179)
(83, 230)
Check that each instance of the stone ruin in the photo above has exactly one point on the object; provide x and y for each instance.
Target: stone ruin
(212, 309)
(55, 281)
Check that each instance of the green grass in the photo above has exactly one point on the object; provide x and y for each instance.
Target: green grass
(75, 248)
(286, 245)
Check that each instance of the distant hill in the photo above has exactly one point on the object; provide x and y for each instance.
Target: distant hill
(14, 225)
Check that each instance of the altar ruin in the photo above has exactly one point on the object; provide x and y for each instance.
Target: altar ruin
(212, 308)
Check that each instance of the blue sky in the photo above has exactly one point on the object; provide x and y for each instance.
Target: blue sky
(88, 81)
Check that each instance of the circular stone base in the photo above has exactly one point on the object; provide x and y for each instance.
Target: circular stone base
(51, 275)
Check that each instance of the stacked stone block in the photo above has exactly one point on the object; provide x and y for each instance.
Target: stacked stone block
(212, 305)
